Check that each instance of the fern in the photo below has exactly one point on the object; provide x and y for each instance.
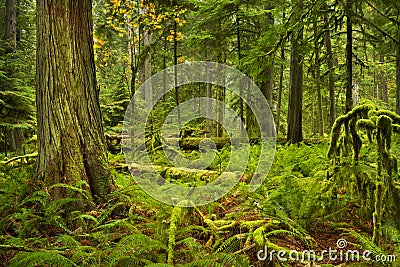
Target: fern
(30, 259)
(136, 246)
(231, 244)
(365, 243)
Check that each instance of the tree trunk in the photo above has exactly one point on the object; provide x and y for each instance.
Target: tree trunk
(280, 89)
(398, 65)
(209, 122)
(267, 84)
(318, 81)
(11, 25)
(71, 145)
(398, 75)
(331, 81)
(385, 96)
(175, 69)
(239, 50)
(295, 106)
(349, 55)
(14, 136)
(147, 69)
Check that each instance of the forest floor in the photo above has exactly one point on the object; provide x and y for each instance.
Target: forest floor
(297, 208)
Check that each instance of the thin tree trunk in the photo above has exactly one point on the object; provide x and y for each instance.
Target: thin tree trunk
(313, 115)
(279, 105)
(209, 122)
(398, 74)
(220, 96)
(241, 105)
(385, 96)
(147, 68)
(349, 55)
(175, 71)
(398, 66)
(331, 77)
(318, 81)
(70, 134)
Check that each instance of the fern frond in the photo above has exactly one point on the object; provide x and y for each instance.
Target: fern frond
(231, 244)
(78, 188)
(30, 259)
(366, 243)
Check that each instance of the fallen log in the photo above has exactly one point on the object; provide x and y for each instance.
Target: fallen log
(174, 173)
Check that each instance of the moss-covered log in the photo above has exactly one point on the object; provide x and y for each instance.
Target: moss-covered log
(174, 173)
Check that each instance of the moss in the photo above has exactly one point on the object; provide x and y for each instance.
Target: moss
(346, 138)
(365, 124)
(176, 214)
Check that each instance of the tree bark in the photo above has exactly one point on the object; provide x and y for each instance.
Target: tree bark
(331, 81)
(14, 136)
(279, 105)
(267, 84)
(349, 55)
(295, 106)
(398, 76)
(398, 65)
(175, 69)
(239, 50)
(11, 25)
(71, 145)
(318, 81)
(209, 122)
(385, 96)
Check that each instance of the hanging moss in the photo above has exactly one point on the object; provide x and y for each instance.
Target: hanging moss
(378, 193)
(340, 143)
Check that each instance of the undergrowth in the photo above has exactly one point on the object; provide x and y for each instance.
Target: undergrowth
(293, 210)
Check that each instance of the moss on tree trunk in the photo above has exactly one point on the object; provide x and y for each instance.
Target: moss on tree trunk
(70, 134)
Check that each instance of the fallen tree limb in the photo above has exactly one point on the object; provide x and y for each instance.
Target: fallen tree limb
(24, 157)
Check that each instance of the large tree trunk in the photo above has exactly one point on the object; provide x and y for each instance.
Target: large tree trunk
(331, 81)
(70, 135)
(349, 56)
(295, 112)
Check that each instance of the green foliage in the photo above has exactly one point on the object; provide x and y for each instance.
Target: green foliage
(379, 189)
(40, 259)
(17, 72)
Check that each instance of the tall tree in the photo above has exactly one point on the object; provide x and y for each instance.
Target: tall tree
(14, 135)
(295, 106)
(349, 55)
(317, 78)
(70, 134)
(11, 25)
(398, 63)
(331, 81)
